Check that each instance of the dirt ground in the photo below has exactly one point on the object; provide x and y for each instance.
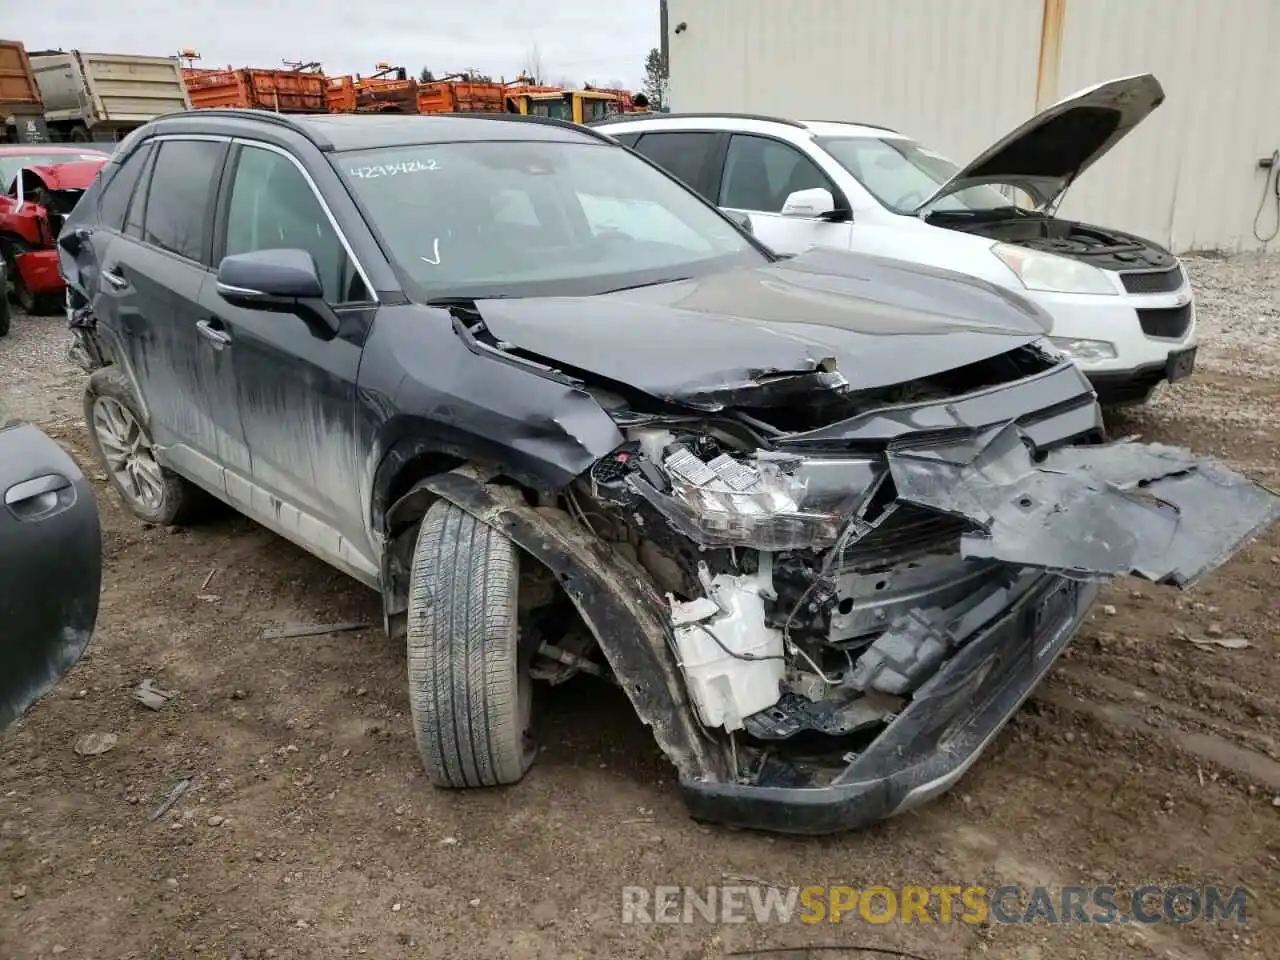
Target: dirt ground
(310, 831)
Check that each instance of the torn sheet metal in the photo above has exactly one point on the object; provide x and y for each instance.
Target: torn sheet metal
(1090, 513)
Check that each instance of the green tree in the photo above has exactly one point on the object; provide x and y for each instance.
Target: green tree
(655, 80)
(426, 76)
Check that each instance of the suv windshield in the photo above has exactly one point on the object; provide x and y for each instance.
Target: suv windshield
(902, 174)
(523, 218)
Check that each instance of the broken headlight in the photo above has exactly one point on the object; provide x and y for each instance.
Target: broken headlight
(1085, 349)
(764, 501)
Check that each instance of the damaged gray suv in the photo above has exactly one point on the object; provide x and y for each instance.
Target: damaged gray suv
(825, 520)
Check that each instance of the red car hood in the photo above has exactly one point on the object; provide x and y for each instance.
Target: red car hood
(69, 176)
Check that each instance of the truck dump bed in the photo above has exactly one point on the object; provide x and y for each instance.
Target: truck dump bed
(109, 89)
(284, 91)
(340, 94)
(461, 96)
(21, 109)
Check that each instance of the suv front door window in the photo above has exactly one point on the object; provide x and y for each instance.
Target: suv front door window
(296, 381)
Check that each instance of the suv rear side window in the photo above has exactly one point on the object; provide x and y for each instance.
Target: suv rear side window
(759, 174)
(115, 197)
(273, 207)
(179, 198)
(138, 205)
(684, 155)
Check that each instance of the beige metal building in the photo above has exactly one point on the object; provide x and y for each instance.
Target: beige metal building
(958, 75)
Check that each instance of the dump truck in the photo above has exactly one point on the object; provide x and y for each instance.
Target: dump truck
(21, 108)
(103, 96)
(340, 94)
(283, 91)
(580, 106)
(462, 96)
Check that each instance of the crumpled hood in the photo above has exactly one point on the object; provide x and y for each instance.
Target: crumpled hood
(68, 176)
(872, 321)
(1045, 155)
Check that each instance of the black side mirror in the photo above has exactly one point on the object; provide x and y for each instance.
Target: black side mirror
(244, 278)
(282, 281)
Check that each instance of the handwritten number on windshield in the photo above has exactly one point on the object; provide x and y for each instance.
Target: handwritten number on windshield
(374, 171)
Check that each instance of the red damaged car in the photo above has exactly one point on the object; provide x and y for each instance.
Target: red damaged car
(42, 185)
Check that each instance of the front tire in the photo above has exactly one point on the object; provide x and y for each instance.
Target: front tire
(469, 686)
(124, 449)
(4, 314)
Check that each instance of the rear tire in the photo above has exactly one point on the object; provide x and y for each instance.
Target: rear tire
(469, 686)
(4, 314)
(123, 447)
(80, 134)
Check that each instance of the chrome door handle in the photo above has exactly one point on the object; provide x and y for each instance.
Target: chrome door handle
(220, 338)
(115, 279)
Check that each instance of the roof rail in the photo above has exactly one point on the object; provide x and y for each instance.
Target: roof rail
(525, 118)
(624, 117)
(245, 113)
(285, 120)
(859, 123)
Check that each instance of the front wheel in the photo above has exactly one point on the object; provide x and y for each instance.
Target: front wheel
(469, 686)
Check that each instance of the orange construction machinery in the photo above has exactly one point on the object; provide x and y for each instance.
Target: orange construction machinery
(392, 90)
(299, 88)
(302, 88)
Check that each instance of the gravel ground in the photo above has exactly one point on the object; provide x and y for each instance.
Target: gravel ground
(309, 830)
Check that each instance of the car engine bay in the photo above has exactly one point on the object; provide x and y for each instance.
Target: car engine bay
(1103, 247)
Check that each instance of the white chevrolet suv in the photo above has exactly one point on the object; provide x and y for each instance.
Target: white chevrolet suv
(1121, 306)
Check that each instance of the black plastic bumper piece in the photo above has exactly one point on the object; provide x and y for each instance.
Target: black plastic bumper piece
(1129, 387)
(931, 744)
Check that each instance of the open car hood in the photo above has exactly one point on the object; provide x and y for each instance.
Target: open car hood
(1045, 155)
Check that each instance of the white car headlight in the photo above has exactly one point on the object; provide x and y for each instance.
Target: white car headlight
(1085, 349)
(1052, 274)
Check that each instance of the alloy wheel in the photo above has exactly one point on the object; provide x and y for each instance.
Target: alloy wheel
(128, 453)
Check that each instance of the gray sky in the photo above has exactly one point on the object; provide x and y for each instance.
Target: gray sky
(595, 41)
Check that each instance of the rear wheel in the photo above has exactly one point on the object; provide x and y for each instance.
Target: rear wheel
(4, 314)
(125, 450)
(79, 134)
(469, 684)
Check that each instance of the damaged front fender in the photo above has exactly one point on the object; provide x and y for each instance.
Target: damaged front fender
(1089, 513)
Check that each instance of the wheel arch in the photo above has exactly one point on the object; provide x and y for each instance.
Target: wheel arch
(616, 600)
